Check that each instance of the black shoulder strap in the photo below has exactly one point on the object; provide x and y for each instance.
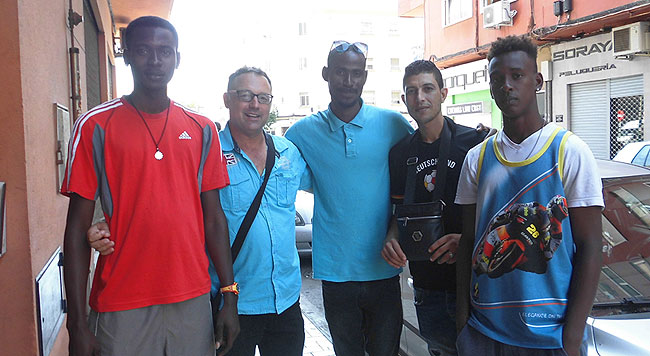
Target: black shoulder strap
(443, 157)
(441, 174)
(255, 206)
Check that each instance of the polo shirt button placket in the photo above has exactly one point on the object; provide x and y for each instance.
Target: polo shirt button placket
(350, 148)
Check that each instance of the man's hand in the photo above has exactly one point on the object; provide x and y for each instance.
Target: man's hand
(83, 342)
(97, 236)
(444, 249)
(392, 253)
(226, 325)
(490, 131)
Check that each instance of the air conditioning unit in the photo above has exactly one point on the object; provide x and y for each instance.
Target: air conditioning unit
(498, 14)
(632, 39)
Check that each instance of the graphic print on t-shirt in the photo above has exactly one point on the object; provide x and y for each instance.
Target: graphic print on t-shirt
(430, 180)
(524, 236)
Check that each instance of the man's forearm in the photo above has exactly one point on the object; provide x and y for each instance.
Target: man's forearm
(586, 227)
(216, 237)
(464, 266)
(77, 259)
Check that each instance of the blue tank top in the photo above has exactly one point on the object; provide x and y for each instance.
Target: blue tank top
(523, 253)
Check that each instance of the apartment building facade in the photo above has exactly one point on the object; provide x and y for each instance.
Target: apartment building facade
(593, 55)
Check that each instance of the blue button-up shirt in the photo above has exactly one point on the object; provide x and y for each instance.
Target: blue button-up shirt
(268, 267)
(349, 162)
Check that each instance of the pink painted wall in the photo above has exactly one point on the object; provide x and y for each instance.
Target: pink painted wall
(442, 41)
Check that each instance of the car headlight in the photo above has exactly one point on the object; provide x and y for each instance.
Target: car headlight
(299, 220)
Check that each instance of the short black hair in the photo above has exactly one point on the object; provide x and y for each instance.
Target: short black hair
(513, 44)
(244, 70)
(423, 66)
(148, 21)
(334, 53)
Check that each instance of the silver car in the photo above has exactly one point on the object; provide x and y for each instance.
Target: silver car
(619, 324)
(304, 214)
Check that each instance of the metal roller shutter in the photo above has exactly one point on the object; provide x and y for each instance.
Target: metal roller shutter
(628, 86)
(589, 115)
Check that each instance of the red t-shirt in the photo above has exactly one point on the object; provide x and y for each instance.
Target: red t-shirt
(153, 208)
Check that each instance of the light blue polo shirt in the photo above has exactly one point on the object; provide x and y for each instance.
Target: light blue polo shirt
(267, 268)
(349, 163)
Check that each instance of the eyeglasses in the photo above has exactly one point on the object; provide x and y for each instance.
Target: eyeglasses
(343, 46)
(247, 96)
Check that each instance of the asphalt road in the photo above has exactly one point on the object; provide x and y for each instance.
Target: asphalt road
(311, 298)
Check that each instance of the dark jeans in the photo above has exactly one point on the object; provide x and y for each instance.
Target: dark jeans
(274, 334)
(436, 311)
(364, 316)
(472, 343)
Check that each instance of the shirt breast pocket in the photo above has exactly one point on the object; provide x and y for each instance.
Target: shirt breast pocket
(286, 186)
(240, 193)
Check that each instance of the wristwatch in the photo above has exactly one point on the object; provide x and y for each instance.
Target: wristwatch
(233, 288)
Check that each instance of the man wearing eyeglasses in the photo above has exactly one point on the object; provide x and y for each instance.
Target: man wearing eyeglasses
(267, 268)
(346, 147)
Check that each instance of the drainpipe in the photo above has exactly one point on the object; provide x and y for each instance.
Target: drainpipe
(476, 24)
(75, 76)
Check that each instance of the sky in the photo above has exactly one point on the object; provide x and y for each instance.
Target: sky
(213, 38)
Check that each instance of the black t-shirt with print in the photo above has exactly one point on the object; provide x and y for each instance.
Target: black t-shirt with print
(430, 275)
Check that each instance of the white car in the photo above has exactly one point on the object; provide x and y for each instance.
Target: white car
(619, 323)
(304, 214)
(635, 153)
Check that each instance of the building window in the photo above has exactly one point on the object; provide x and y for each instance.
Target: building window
(370, 64)
(369, 97)
(367, 28)
(304, 99)
(394, 64)
(456, 10)
(483, 3)
(395, 97)
(393, 29)
(302, 63)
(302, 29)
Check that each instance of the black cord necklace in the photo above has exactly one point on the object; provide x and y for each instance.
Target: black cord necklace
(158, 155)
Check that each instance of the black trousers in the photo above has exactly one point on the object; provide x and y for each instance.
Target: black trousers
(364, 316)
(274, 334)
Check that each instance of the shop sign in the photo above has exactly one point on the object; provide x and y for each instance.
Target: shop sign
(469, 108)
(582, 51)
(605, 66)
(467, 77)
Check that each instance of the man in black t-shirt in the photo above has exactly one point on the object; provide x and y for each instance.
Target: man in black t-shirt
(434, 280)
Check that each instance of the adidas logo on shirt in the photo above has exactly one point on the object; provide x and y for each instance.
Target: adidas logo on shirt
(185, 136)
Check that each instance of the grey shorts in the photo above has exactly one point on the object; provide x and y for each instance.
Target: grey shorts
(177, 329)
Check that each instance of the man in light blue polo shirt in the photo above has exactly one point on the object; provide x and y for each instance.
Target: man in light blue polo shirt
(267, 267)
(346, 147)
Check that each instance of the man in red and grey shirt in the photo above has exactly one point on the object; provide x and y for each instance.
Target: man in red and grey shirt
(157, 168)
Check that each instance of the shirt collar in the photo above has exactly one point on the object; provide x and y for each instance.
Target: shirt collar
(417, 135)
(228, 143)
(336, 123)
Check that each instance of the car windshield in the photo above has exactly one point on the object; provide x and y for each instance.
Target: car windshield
(624, 284)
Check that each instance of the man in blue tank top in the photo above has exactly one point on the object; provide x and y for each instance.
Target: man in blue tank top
(529, 256)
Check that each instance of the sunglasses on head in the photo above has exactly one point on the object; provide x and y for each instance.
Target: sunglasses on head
(344, 46)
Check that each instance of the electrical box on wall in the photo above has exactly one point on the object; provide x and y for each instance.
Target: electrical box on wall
(50, 305)
(498, 14)
(3, 219)
(632, 39)
(62, 138)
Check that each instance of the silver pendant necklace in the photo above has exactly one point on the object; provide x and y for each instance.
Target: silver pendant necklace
(158, 155)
